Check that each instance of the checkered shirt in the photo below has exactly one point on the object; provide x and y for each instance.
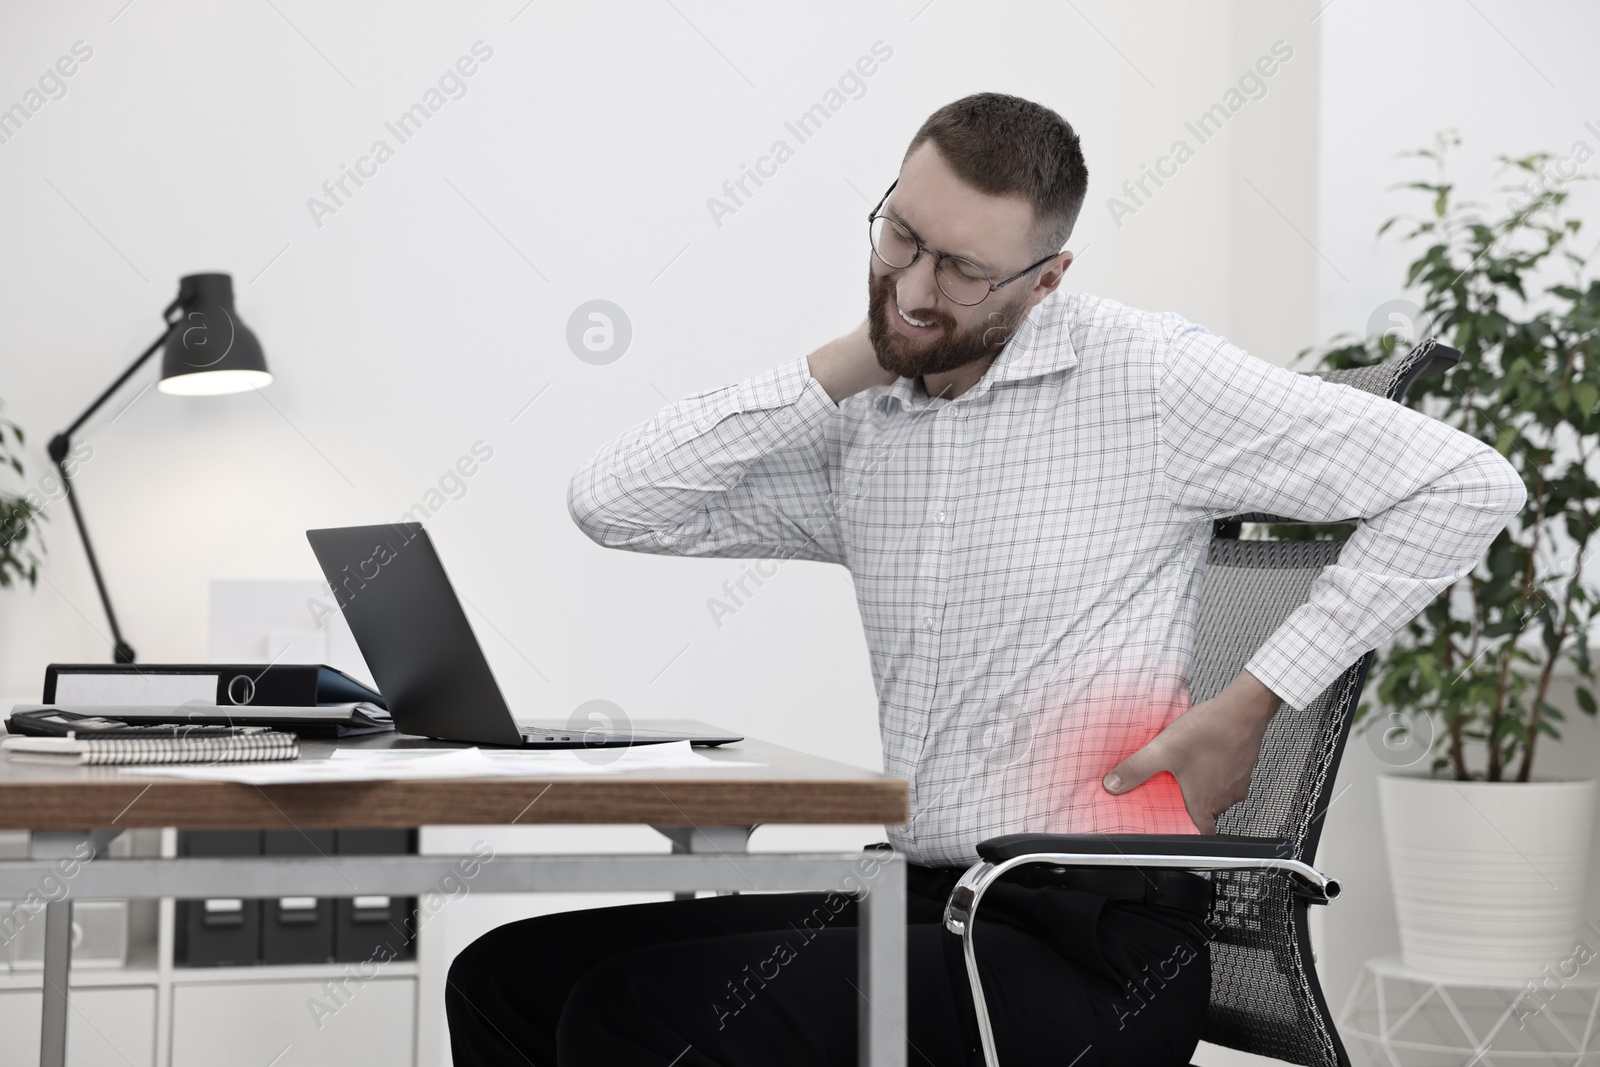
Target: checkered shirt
(1028, 556)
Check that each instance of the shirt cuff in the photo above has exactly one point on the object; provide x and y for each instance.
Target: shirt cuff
(1301, 659)
(786, 385)
(796, 402)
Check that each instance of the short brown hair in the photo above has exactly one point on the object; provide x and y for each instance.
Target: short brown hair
(1007, 146)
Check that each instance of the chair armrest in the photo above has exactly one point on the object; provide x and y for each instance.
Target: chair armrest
(1220, 846)
(1193, 852)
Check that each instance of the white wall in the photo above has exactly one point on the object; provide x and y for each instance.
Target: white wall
(432, 307)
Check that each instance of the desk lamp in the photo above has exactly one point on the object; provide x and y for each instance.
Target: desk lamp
(208, 352)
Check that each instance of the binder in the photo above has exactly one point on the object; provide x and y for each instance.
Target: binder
(297, 929)
(305, 685)
(377, 928)
(222, 932)
(238, 694)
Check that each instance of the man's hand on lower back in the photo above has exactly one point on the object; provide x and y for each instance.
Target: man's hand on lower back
(1210, 749)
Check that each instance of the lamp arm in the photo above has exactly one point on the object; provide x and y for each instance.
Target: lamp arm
(66, 434)
(121, 651)
(60, 445)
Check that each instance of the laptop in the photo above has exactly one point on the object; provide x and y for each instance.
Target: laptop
(392, 588)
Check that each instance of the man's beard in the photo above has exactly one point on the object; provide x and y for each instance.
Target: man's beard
(942, 352)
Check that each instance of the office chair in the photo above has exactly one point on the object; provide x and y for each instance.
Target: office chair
(1265, 997)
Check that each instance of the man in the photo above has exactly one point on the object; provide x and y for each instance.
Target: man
(1022, 482)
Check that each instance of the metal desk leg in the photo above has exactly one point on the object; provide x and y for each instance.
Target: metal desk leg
(721, 840)
(881, 951)
(57, 961)
(72, 849)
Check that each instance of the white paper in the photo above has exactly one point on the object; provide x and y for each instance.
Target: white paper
(667, 755)
(355, 765)
(663, 756)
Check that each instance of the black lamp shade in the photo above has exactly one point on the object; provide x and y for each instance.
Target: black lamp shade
(209, 351)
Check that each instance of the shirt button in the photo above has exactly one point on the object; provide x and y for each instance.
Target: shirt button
(939, 517)
(928, 622)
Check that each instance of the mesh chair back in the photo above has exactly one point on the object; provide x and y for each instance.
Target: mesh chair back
(1393, 377)
(1265, 997)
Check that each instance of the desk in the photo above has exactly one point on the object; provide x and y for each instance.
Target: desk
(75, 811)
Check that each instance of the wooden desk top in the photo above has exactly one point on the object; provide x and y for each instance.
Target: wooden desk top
(792, 787)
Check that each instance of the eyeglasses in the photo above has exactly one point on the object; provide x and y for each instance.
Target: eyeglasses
(961, 280)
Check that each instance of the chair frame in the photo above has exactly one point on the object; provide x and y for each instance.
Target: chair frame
(968, 894)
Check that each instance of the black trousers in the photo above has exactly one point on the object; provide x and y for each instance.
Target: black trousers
(769, 980)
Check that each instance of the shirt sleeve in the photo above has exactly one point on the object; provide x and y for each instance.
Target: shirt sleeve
(737, 471)
(1242, 435)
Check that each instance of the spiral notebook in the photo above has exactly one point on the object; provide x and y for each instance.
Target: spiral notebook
(253, 747)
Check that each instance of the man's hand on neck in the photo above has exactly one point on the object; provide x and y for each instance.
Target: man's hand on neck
(848, 365)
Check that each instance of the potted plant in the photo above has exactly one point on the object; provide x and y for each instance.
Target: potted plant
(1488, 859)
(19, 516)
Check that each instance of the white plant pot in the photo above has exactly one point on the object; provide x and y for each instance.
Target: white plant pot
(1488, 876)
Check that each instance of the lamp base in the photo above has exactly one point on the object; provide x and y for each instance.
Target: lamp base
(122, 652)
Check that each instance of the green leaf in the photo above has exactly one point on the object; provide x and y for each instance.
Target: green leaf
(1502, 441)
(1550, 711)
(1430, 674)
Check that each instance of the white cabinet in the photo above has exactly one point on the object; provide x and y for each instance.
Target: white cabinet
(334, 1022)
(110, 1027)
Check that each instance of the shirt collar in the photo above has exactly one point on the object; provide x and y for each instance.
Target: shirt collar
(1042, 345)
